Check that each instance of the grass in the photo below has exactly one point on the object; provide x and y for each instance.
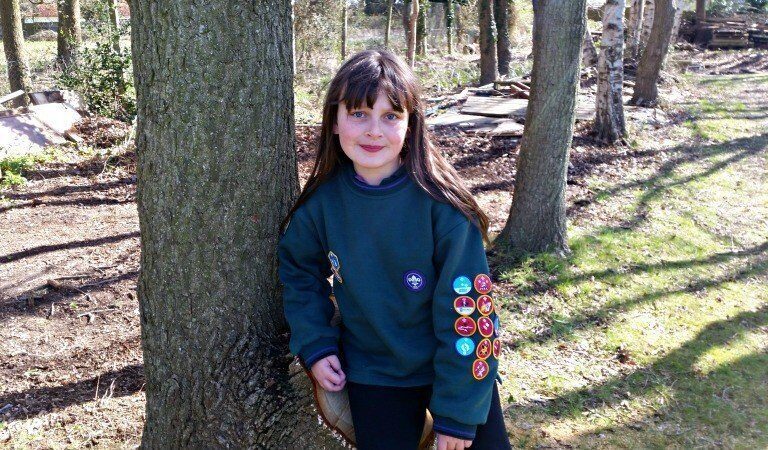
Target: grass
(41, 56)
(653, 332)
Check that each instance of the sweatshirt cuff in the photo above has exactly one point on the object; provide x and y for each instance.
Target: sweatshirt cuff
(318, 350)
(452, 428)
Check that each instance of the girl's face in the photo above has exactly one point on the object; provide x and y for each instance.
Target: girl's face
(372, 137)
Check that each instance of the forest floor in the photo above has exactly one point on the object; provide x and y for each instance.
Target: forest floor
(653, 332)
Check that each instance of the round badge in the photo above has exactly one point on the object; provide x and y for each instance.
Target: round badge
(414, 280)
(465, 326)
(496, 348)
(480, 369)
(465, 346)
(462, 285)
(483, 283)
(486, 326)
(484, 349)
(464, 305)
(485, 304)
(496, 326)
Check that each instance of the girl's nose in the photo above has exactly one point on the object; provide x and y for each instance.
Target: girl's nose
(374, 130)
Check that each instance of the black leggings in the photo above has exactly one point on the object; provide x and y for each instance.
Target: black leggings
(389, 418)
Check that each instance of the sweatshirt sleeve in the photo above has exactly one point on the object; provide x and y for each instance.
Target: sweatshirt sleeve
(303, 270)
(465, 322)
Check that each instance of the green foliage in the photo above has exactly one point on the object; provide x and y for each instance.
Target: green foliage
(728, 7)
(13, 168)
(102, 76)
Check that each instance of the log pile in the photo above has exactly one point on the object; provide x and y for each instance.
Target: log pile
(732, 33)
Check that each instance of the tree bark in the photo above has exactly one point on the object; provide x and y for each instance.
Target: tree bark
(343, 29)
(701, 11)
(646, 90)
(13, 47)
(488, 57)
(449, 11)
(588, 49)
(114, 24)
(421, 28)
(503, 44)
(459, 24)
(216, 173)
(609, 119)
(634, 27)
(679, 6)
(412, 32)
(537, 217)
(389, 23)
(649, 12)
(69, 36)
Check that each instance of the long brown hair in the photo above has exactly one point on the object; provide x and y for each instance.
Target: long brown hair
(360, 79)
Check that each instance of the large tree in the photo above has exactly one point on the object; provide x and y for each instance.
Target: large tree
(489, 70)
(503, 43)
(13, 47)
(70, 35)
(609, 118)
(701, 11)
(634, 28)
(216, 174)
(646, 90)
(537, 217)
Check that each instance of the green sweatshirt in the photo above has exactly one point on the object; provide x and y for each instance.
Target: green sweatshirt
(409, 274)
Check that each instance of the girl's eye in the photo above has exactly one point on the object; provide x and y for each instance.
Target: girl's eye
(391, 116)
(358, 114)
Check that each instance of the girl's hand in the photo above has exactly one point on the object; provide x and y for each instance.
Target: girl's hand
(451, 443)
(328, 373)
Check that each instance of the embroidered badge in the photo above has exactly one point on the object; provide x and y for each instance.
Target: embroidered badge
(464, 305)
(484, 349)
(483, 283)
(465, 346)
(496, 348)
(335, 266)
(485, 304)
(465, 326)
(462, 285)
(414, 280)
(480, 369)
(486, 326)
(496, 326)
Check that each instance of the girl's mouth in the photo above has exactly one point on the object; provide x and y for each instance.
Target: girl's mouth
(372, 148)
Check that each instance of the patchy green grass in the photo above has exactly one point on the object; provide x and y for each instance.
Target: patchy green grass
(653, 332)
(42, 58)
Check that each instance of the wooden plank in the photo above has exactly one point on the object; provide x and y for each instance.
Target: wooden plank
(11, 96)
(495, 106)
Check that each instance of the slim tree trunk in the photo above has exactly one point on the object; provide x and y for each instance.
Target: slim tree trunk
(412, 32)
(537, 217)
(649, 13)
(343, 29)
(679, 6)
(13, 46)
(488, 58)
(503, 45)
(389, 23)
(114, 24)
(421, 28)
(646, 90)
(701, 11)
(406, 19)
(634, 27)
(459, 25)
(449, 25)
(69, 36)
(609, 120)
(588, 49)
(215, 179)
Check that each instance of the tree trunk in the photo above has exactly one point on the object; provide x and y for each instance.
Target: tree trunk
(412, 32)
(421, 28)
(488, 61)
(406, 19)
(13, 46)
(679, 6)
(537, 217)
(609, 120)
(646, 91)
(343, 29)
(389, 23)
(114, 24)
(649, 13)
(215, 179)
(69, 36)
(588, 49)
(634, 27)
(701, 11)
(449, 25)
(459, 25)
(503, 45)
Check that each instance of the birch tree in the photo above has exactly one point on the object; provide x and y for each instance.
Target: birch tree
(390, 4)
(649, 12)
(646, 90)
(13, 47)
(412, 31)
(488, 57)
(449, 17)
(215, 179)
(537, 217)
(609, 119)
(679, 6)
(634, 28)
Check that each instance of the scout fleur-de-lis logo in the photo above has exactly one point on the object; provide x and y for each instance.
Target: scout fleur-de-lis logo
(335, 266)
(413, 280)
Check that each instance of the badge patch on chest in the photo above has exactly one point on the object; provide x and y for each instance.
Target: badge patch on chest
(335, 266)
(414, 280)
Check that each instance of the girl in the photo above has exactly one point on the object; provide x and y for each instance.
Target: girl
(388, 217)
